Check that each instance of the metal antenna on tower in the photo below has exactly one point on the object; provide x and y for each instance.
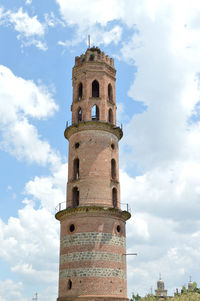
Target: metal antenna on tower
(88, 41)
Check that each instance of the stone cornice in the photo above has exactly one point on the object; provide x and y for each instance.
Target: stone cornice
(93, 125)
(93, 210)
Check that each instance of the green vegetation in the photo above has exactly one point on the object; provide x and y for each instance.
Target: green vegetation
(185, 295)
(189, 296)
(135, 297)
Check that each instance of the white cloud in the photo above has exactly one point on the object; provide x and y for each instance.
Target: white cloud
(89, 22)
(164, 146)
(30, 241)
(51, 20)
(24, 100)
(24, 24)
(10, 290)
(98, 36)
(31, 41)
(30, 30)
(84, 12)
(49, 190)
(165, 207)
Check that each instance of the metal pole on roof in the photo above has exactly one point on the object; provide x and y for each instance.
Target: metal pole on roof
(89, 41)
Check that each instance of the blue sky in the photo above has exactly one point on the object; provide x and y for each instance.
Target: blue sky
(156, 49)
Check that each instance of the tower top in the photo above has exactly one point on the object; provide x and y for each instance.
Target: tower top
(94, 54)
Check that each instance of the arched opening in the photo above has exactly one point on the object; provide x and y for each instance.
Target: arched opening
(113, 169)
(79, 114)
(91, 57)
(118, 228)
(114, 197)
(95, 88)
(110, 116)
(95, 112)
(80, 91)
(76, 169)
(110, 92)
(71, 228)
(75, 193)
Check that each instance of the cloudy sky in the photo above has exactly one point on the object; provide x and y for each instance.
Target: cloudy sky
(156, 46)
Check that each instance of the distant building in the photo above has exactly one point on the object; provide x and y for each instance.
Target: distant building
(161, 292)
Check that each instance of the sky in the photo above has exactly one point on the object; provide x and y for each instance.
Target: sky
(156, 46)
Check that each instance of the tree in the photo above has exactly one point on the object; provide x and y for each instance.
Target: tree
(135, 297)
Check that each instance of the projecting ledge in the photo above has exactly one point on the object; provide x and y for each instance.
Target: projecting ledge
(124, 215)
(93, 125)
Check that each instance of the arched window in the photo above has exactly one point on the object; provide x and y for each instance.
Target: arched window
(91, 57)
(113, 169)
(95, 88)
(110, 116)
(75, 193)
(95, 112)
(79, 114)
(80, 91)
(69, 284)
(110, 92)
(76, 169)
(114, 197)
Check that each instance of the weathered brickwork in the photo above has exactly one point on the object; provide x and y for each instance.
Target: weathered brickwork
(92, 238)
(94, 256)
(94, 168)
(101, 221)
(92, 272)
(93, 234)
(90, 248)
(100, 288)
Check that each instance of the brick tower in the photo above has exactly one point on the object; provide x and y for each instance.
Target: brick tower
(93, 239)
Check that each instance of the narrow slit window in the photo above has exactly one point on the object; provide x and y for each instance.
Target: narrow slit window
(79, 114)
(75, 197)
(69, 285)
(95, 112)
(110, 92)
(113, 169)
(110, 116)
(76, 169)
(80, 91)
(114, 197)
(95, 88)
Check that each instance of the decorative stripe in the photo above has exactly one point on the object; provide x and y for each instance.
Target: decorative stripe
(93, 272)
(77, 239)
(94, 256)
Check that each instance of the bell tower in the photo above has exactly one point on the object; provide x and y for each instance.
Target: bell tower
(93, 237)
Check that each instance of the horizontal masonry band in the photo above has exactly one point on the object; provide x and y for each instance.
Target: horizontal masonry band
(77, 239)
(93, 256)
(93, 272)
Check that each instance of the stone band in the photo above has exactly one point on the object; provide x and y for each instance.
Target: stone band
(93, 272)
(92, 256)
(92, 238)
